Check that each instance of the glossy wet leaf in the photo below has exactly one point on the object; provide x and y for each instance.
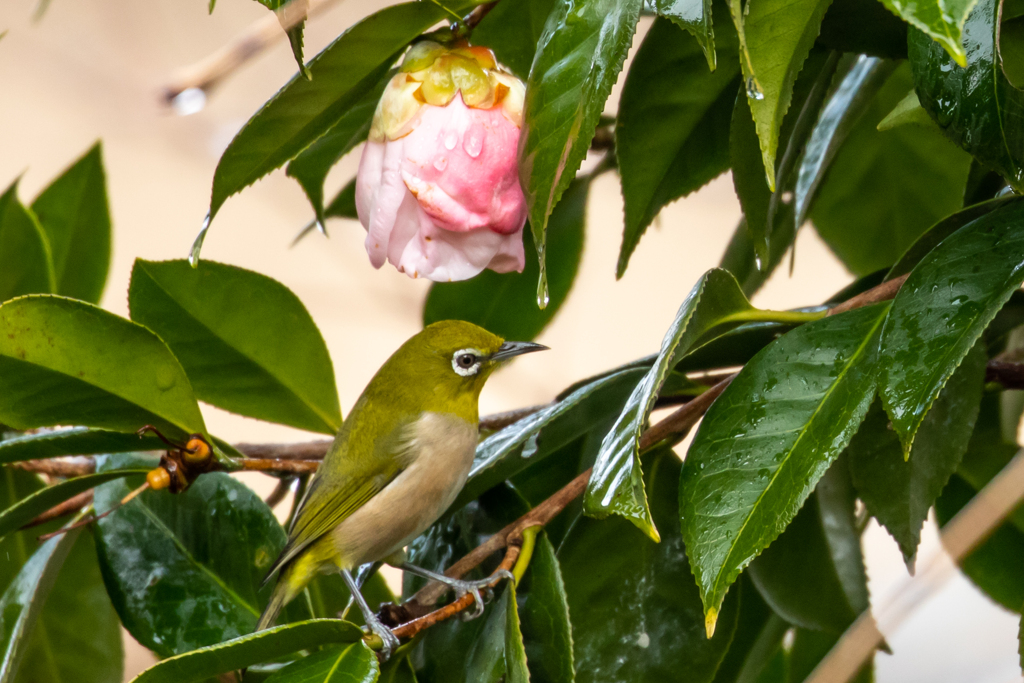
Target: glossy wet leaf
(616, 486)
(578, 59)
(530, 440)
(26, 266)
(513, 31)
(30, 507)
(311, 166)
(74, 213)
(899, 493)
(672, 129)
(768, 439)
(185, 570)
(941, 230)
(635, 614)
(813, 574)
(506, 303)
(352, 663)
(246, 341)
(942, 309)
(976, 106)
(694, 16)
(74, 441)
(77, 636)
(885, 188)
(303, 110)
(63, 362)
(776, 37)
(941, 22)
(246, 650)
(845, 106)
(546, 629)
(23, 600)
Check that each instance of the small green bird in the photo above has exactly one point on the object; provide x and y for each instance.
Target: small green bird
(398, 462)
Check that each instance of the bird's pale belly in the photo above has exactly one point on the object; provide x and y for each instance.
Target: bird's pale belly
(444, 447)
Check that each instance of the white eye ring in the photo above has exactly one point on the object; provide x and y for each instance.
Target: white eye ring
(466, 371)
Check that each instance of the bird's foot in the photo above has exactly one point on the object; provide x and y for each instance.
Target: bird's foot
(388, 639)
(478, 589)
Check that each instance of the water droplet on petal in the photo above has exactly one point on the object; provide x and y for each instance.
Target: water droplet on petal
(450, 140)
(474, 142)
(441, 163)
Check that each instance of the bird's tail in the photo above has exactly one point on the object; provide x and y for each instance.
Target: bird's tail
(287, 588)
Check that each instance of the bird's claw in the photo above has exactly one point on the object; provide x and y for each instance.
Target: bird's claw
(481, 592)
(389, 641)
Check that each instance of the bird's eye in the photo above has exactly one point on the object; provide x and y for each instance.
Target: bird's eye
(466, 362)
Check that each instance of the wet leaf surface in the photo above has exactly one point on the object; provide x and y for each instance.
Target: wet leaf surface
(62, 362)
(769, 437)
(546, 629)
(940, 22)
(616, 486)
(246, 341)
(353, 663)
(941, 310)
(694, 16)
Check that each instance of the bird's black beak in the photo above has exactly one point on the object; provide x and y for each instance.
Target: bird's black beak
(510, 349)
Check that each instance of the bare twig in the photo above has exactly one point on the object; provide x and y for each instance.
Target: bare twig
(279, 466)
(969, 528)
(73, 504)
(681, 421)
(284, 485)
(882, 292)
(58, 467)
(309, 450)
(492, 423)
(478, 13)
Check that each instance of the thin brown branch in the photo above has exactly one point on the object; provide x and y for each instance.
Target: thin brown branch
(492, 423)
(261, 34)
(69, 506)
(478, 14)
(308, 450)
(883, 292)
(284, 485)
(58, 467)
(679, 423)
(279, 466)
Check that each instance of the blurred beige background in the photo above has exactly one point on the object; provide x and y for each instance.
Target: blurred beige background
(92, 69)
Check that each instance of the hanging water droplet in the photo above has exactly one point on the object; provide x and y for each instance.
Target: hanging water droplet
(757, 262)
(474, 142)
(441, 163)
(754, 90)
(189, 101)
(542, 291)
(197, 246)
(450, 140)
(322, 228)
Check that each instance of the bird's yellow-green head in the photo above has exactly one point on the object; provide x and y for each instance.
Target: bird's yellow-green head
(445, 366)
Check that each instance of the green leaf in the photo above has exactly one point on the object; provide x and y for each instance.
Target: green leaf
(23, 600)
(635, 616)
(769, 437)
(30, 507)
(616, 486)
(775, 38)
(578, 60)
(672, 129)
(693, 16)
(529, 440)
(941, 21)
(845, 106)
(77, 636)
(250, 649)
(26, 266)
(246, 341)
(843, 29)
(311, 166)
(754, 614)
(355, 663)
(976, 106)
(942, 309)
(546, 629)
(185, 571)
(941, 230)
(506, 304)
(513, 30)
(75, 216)
(71, 363)
(74, 441)
(303, 110)
(813, 574)
(899, 493)
(885, 188)
(344, 203)
(397, 670)
(16, 484)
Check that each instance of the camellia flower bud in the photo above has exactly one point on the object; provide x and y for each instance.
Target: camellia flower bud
(438, 186)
